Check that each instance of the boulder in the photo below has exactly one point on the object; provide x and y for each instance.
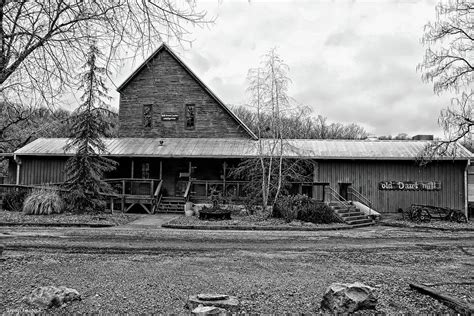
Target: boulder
(227, 302)
(348, 298)
(2, 247)
(51, 296)
(202, 310)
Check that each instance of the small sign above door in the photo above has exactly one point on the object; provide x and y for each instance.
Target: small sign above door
(169, 116)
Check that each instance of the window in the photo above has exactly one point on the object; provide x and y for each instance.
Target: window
(147, 115)
(190, 116)
(146, 170)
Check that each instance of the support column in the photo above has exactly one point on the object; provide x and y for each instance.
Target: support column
(315, 178)
(18, 164)
(224, 167)
(161, 169)
(133, 169)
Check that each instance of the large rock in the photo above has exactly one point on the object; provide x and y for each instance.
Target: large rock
(2, 247)
(51, 296)
(229, 303)
(348, 298)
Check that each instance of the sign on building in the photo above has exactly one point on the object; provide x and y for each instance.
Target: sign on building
(410, 185)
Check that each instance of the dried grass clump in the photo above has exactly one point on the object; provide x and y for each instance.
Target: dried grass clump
(44, 201)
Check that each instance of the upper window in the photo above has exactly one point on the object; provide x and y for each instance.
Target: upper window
(147, 115)
(190, 116)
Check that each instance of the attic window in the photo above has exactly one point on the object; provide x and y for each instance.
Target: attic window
(147, 115)
(190, 116)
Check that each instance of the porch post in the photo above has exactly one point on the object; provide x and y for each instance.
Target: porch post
(161, 169)
(133, 167)
(315, 179)
(224, 166)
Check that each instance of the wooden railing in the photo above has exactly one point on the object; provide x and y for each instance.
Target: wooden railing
(201, 188)
(132, 186)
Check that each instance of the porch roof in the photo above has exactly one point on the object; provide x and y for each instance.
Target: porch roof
(245, 148)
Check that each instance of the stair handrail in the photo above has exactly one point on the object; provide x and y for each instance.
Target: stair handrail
(362, 198)
(187, 191)
(337, 196)
(158, 195)
(158, 189)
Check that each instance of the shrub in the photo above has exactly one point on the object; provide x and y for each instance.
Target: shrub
(44, 201)
(286, 207)
(79, 202)
(291, 207)
(13, 200)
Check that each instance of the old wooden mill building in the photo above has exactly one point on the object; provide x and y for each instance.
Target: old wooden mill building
(177, 140)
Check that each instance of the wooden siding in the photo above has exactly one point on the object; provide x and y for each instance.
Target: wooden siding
(40, 170)
(365, 176)
(168, 87)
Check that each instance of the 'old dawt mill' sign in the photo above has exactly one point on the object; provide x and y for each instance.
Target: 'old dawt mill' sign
(410, 185)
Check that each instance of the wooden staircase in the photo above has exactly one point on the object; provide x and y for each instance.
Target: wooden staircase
(171, 204)
(350, 214)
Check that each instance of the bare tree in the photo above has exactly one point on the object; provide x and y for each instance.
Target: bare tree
(43, 42)
(449, 64)
(270, 171)
(300, 124)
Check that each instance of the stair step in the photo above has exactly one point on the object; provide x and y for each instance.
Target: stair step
(362, 225)
(352, 218)
(351, 214)
(359, 221)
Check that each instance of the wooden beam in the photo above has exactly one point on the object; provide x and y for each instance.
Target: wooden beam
(459, 306)
(133, 169)
(161, 169)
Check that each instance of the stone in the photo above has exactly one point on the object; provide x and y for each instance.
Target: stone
(230, 303)
(51, 296)
(212, 297)
(202, 310)
(2, 247)
(348, 298)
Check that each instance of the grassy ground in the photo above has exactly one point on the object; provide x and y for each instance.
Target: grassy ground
(67, 218)
(264, 281)
(248, 220)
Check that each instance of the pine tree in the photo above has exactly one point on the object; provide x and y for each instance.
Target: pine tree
(86, 168)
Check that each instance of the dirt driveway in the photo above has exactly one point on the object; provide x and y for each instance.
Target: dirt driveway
(132, 269)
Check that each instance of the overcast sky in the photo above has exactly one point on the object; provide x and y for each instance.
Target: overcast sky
(352, 61)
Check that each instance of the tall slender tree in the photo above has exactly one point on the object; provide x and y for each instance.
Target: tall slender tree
(86, 168)
(270, 171)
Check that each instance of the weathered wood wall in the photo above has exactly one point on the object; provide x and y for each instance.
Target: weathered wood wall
(366, 175)
(39, 170)
(470, 184)
(166, 85)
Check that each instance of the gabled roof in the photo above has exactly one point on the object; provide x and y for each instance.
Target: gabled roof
(247, 148)
(195, 77)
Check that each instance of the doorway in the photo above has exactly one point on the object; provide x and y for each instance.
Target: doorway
(344, 190)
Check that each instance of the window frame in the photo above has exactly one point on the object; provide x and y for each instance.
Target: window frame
(150, 106)
(186, 106)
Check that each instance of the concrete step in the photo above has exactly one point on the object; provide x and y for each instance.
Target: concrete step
(362, 225)
(350, 214)
(359, 221)
(352, 218)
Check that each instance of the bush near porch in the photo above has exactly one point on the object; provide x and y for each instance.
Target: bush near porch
(303, 208)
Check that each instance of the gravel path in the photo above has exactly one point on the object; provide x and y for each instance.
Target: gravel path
(270, 272)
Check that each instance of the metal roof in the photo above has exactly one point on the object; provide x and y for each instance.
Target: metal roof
(244, 148)
(195, 77)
